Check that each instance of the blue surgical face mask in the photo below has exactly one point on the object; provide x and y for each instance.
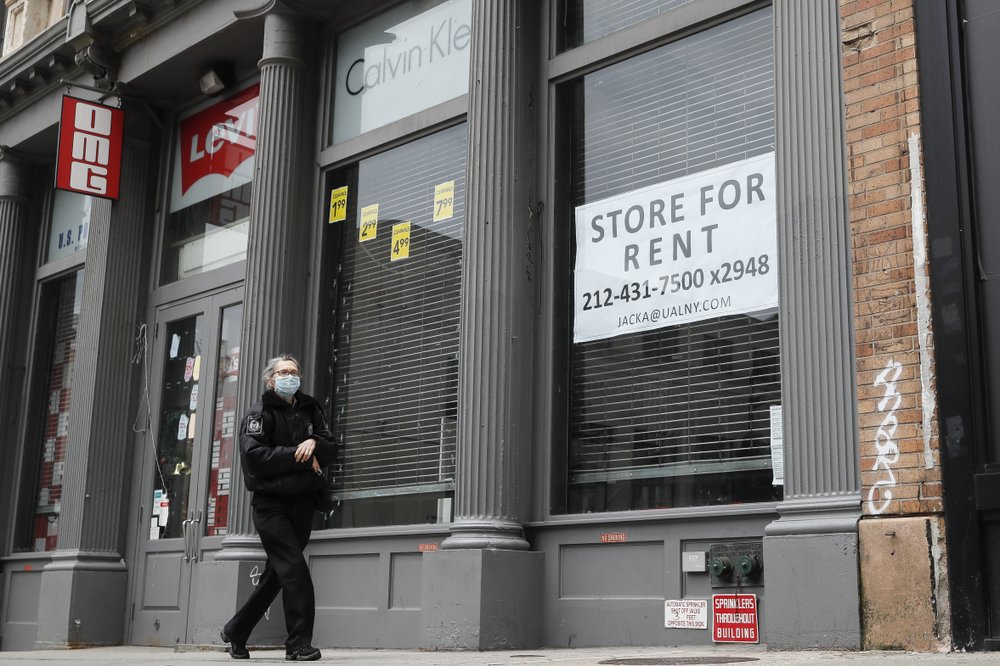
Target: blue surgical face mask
(286, 386)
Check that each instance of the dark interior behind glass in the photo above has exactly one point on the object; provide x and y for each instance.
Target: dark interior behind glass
(582, 21)
(392, 333)
(677, 416)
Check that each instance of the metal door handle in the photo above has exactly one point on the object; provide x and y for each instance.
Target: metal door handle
(184, 534)
(194, 540)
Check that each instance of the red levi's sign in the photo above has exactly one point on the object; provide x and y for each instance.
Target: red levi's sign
(217, 140)
(734, 618)
(90, 148)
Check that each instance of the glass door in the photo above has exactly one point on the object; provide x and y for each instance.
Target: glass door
(188, 454)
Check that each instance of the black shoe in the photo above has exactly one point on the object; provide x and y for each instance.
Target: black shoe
(307, 653)
(237, 649)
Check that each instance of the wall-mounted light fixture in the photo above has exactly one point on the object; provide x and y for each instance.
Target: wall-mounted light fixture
(211, 81)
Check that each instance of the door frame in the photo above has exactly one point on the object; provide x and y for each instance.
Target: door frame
(210, 304)
(962, 421)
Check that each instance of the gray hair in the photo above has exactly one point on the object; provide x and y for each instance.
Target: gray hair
(273, 363)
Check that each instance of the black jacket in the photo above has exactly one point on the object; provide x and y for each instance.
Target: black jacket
(269, 435)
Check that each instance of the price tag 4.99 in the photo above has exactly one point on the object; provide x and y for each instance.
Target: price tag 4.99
(400, 241)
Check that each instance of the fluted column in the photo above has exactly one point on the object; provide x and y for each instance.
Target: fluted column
(113, 287)
(485, 563)
(106, 385)
(14, 178)
(13, 232)
(495, 348)
(822, 489)
(272, 311)
(815, 254)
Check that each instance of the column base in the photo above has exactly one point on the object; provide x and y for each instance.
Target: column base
(222, 587)
(82, 601)
(811, 553)
(903, 567)
(485, 534)
(481, 599)
(238, 547)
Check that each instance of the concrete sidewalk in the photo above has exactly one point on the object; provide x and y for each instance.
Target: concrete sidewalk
(651, 656)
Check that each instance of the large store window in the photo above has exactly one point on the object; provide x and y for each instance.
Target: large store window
(405, 60)
(393, 276)
(70, 224)
(209, 234)
(55, 355)
(209, 210)
(674, 376)
(583, 21)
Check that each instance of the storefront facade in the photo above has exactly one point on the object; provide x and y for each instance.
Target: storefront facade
(588, 292)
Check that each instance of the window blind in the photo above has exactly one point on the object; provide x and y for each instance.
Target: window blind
(397, 324)
(583, 21)
(691, 399)
(57, 354)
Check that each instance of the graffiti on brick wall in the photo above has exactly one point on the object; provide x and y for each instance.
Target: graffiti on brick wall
(887, 451)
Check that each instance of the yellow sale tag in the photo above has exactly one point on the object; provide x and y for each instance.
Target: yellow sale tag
(444, 200)
(369, 223)
(400, 241)
(338, 204)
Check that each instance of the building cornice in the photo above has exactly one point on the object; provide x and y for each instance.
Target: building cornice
(318, 9)
(36, 68)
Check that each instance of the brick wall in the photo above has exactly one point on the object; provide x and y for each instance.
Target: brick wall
(882, 112)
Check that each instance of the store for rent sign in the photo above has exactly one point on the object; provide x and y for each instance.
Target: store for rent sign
(90, 148)
(215, 149)
(700, 246)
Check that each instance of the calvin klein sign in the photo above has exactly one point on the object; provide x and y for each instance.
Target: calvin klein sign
(399, 63)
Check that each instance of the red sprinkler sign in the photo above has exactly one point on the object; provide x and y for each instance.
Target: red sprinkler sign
(734, 618)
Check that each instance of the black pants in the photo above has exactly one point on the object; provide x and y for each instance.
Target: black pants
(284, 528)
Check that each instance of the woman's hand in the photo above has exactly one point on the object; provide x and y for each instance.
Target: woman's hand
(305, 450)
(316, 468)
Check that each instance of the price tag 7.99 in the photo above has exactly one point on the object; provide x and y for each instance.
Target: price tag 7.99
(444, 201)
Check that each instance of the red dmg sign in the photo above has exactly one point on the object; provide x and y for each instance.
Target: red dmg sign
(90, 148)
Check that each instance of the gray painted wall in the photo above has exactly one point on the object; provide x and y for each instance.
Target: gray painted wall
(599, 593)
(373, 589)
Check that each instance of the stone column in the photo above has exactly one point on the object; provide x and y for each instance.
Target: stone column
(274, 290)
(13, 233)
(83, 590)
(485, 564)
(14, 249)
(810, 552)
(275, 280)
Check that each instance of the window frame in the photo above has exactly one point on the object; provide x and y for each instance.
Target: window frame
(554, 336)
(331, 158)
(36, 379)
(166, 292)
(27, 433)
(330, 317)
